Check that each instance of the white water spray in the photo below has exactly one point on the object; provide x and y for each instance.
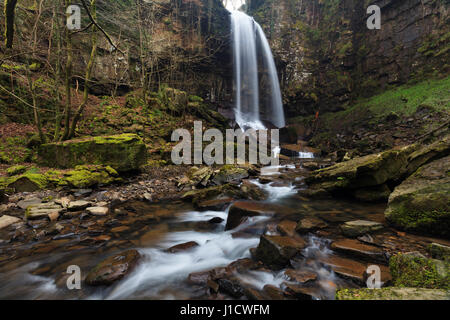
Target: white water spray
(248, 40)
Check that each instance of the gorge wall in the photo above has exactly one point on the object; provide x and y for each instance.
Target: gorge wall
(326, 55)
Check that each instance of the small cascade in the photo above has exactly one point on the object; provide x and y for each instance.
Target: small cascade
(252, 60)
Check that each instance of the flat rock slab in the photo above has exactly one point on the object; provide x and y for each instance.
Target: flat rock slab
(276, 251)
(287, 228)
(183, 247)
(358, 228)
(42, 210)
(78, 205)
(240, 210)
(6, 221)
(393, 293)
(352, 269)
(359, 249)
(24, 204)
(310, 224)
(113, 268)
(214, 205)
(98, 211)
(300, 276)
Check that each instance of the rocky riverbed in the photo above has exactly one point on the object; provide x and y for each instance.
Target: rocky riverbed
(224, 233)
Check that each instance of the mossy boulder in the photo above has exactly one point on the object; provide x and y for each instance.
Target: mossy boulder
(123, 152)
(90, 176)
(421, 203)
(362, 172)
(366, 178)
(415, 270)
(15, 170)
(230, 173)
(439, 251)
(27, 182)
(392, 293)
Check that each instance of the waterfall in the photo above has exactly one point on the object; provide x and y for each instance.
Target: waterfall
(250, 46)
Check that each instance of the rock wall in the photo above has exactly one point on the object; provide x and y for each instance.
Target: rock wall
(327, 56)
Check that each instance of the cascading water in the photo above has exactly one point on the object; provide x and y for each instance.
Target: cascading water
(249, 43)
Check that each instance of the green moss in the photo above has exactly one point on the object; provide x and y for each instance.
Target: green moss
(15, 170)
(392, 293)
(414, 271)
(89, 176)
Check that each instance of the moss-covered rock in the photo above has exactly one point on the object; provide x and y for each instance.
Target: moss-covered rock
(122, 152)
(230, 173)
(89, 176)
(15, 170)
(392, 293)
(439, 251)
(422, 202)
(27, 182)
(413, 270)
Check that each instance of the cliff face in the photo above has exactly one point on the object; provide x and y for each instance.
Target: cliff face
(326, 55)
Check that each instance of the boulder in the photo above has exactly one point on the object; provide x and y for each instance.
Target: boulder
(358, 228)
(6, 221)
(421, 203)
(89, 176)
(392, 293)
(15, 170)
(28, 182)
(439, 251)
(113, 268)
(276, 251)
(229, 173)
(123, 152)
(371, 172)
(415, 270)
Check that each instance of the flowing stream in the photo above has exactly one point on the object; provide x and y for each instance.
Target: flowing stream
(163, 275)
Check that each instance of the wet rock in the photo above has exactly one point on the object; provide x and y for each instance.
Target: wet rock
(113, 268)
(439, 251)
(42, 210)
(98, 211)
(78, 205)
(215, 220)
(300, 276)
(352, 269)
(310, 224)
(421, 203)
(214, 205)
(254, 294)
(198, 278)
(378, 193)
(392, 293)
(231, 287)
(357, 228)
(241, 210)
(276, 251)
(6, 221)
(183, 247)
(287, 228)
(300, 292)
(274, 293)
(357, 249)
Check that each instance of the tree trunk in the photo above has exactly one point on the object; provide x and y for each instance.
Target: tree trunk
(10, 6)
